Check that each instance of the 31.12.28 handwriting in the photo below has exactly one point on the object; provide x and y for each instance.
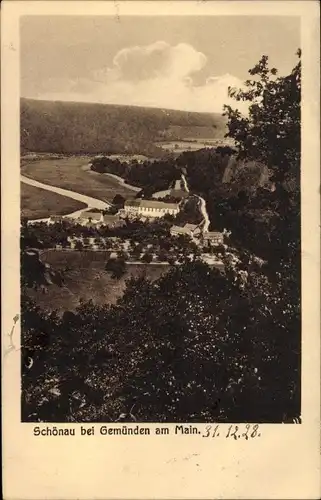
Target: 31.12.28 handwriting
(246, 432)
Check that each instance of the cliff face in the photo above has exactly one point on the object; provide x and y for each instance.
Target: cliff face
(246, 171)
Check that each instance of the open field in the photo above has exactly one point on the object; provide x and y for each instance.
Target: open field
(86, 279)
(193, 144)
(68, 173)
(38, 203)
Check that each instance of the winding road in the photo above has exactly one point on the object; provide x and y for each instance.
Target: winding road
(204, 213)
(87, 200)
(202, 206)
(185, 183)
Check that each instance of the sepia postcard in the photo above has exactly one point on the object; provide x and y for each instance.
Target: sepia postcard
(161, 249)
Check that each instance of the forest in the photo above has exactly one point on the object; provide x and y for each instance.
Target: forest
(82, 128)
(169, 350)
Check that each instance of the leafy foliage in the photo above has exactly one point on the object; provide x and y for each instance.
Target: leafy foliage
(116, 266)
(271, 132)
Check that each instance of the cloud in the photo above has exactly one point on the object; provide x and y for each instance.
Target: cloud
(155, 75)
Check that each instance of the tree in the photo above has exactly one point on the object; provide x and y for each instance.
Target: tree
(117, 267)
(79, 245)
(171, 259)
(271, 131)
(162, 256)
(271, 134)
(119, 201)
(147, 257)
(137, 250)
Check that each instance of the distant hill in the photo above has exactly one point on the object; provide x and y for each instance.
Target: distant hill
(70, 127)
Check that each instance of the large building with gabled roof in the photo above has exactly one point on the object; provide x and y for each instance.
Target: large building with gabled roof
(150, 208)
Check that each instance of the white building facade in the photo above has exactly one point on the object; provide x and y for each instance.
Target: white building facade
(150, 208)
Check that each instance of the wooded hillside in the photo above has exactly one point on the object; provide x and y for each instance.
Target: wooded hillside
(70, 127)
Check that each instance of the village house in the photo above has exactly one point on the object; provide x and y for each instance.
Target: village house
(188, 230)
(150, 208)
(179, 231)
(193, 228)
(212, 238)
(112, 221)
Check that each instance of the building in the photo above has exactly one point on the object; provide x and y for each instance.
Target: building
(131, 207)
(150, 208)
(188, 230)
(213, 238)
(179, 231)
(193, 228)
(112, 221)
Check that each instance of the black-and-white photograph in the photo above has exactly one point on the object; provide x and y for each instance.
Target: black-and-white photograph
(160, 219)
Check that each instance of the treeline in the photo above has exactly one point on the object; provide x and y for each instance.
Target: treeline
(151, 176)
(156, 233)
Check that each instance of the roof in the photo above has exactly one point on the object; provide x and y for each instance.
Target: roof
(179, 229)
(132, 203)
(158, 204)
(111, 218)
(191, 227)
(213, 234)
(151, 204)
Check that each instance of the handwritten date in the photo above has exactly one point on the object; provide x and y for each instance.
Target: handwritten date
(246, 432)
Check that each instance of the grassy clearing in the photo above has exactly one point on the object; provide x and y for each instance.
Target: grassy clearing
(86, 279)
(38, 203)
(68, 173)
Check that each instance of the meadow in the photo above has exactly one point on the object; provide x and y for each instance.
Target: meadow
(69, 173)
(86, 279)
(39, 203)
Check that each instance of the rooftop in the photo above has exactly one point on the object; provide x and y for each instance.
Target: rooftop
(132, 203)
(213, 234)
(110, 218)
(191, 227)
(150, 204)
(179, 229)
(157, 204)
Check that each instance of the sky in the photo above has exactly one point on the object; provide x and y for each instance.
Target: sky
(170, 62)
